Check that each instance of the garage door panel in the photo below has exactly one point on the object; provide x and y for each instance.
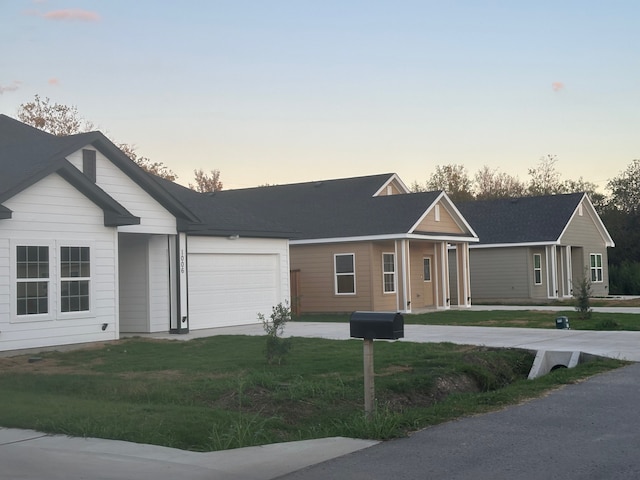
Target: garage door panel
(230, 289)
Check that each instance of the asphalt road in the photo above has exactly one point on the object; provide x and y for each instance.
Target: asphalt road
(589, 430)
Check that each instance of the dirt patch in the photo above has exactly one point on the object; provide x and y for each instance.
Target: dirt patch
(443, 387)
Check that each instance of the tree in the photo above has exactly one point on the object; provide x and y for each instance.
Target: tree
(57, 119)
(490, 184)
(625, 189)
(63, 120)
(157, 168)
(206, 183)
(453, 179)
(545, 179)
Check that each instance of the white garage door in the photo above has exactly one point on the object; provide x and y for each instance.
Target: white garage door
(230, 289)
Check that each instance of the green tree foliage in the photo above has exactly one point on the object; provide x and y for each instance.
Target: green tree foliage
(453, 179)
(62, 120)
(625, 189)
(545, 178)
(583, 298)
(206, 182)
(277, 347)
(489, 184)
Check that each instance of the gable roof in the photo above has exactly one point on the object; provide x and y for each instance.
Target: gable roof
(336, 209)
(525, 220)
(27, 155)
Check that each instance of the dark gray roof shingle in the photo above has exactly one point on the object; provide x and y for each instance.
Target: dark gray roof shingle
(520, 220)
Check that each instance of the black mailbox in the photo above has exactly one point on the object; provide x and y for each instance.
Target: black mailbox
(372, 325)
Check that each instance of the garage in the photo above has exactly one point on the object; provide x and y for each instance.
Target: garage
(231, 289)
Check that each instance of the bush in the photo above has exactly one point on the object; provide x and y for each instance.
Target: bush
(277, 347)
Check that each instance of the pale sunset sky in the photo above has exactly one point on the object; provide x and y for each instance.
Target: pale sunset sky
(274, 91)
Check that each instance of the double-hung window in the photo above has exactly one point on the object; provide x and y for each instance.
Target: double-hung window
(32, 280)
(537, 269)
(345, 273)
(388, 273)
(75, 275)
(596, 267)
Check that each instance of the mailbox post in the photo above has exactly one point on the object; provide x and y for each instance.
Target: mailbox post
(369, 326)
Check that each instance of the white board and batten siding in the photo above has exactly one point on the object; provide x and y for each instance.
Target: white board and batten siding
(154, 218)
(232, 280)
(52, 213)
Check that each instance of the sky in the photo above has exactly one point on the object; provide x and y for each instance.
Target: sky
(282, 91)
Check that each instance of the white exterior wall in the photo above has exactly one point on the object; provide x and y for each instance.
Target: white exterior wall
(159, 293)
(53, 213)
(154, 218)
(229, 306)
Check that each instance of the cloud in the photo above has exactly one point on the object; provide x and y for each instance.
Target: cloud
(70, 15)
(557, 86)
(12, 87)
(53, 81)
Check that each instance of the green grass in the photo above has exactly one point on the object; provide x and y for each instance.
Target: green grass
(506, 318)
(219, 392)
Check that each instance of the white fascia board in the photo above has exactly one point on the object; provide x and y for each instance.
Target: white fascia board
(457, 216)
(523, 244)
(368, 238)
(389, 180)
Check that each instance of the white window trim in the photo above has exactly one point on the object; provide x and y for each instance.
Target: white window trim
(395, 282)
(54, 290)
(436, 212)
(596, 269)
(535, 269)
(336, 274)
(430, 269)
(60, 278)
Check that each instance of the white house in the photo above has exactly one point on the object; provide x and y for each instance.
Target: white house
(91, 246)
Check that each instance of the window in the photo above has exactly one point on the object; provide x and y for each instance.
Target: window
(89, 164)
(345, 273)
(32, 274)
(388, 273)
(537, 268)
(75, 273)
(426, 266)
(436, 213)
(596, 267)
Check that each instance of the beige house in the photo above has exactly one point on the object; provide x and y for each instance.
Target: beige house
(537, 248)
(366, 243)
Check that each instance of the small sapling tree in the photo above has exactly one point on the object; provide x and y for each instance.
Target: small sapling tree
(277, 347)
(583, 298)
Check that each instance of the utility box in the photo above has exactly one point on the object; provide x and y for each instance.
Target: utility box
(377, 325)
(562, 323)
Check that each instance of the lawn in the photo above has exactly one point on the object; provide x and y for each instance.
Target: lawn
(219, 392)
(506, 318)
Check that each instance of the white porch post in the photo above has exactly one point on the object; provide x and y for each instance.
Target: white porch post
(552, 272)
(444, 275)
(405, 287)
(464, 282)
(569, 274)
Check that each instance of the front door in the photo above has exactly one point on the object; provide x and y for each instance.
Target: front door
(427, 278)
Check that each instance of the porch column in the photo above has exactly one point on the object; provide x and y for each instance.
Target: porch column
(569, 271)
(406, 284)
(552, 272)
(443, 287)
(179, 294)
(464, 282)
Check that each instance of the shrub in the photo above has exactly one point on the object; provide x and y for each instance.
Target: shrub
(583, 298)
(277, 347)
